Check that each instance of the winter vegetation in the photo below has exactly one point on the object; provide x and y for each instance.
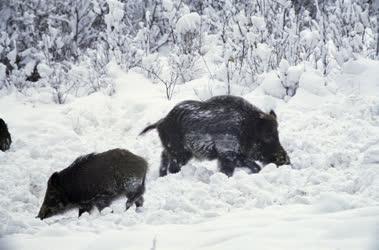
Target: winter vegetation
(64, 47)
(85, 76)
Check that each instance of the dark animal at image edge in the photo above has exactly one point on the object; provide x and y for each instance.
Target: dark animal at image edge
(5, 136)
(226, 128)
(96, 180)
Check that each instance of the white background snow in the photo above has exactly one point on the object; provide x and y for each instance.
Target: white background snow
(327, 199)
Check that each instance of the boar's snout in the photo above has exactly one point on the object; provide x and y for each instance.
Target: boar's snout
(44, 213)
(41, 215)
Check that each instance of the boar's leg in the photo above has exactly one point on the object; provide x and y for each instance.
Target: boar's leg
(174, 166)
(135, 197)
(249, 163)
(226, 167)
(176, 163)
(227, 161)
(84, 208)
(102, 203)
(165, 161)
(5, 144)
(173, 162)
(139, 201)
(130, 202)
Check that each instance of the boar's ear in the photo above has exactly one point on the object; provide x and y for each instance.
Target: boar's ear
(273, 113)
(262, 122)
(54, 179)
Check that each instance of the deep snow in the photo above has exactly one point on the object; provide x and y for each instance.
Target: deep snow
(327, 199)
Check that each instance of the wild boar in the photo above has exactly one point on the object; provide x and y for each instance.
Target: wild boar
(96, 180)
(226, 128)
(5, 136)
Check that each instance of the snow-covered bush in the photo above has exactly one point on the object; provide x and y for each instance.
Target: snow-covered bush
(290, 76)
(3, 76)
(161, 71)
(272, 85)
(188, 32)
(238, 42)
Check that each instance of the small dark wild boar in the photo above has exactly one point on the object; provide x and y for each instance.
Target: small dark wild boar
(5, 136)
(96, 180)
(226, 128)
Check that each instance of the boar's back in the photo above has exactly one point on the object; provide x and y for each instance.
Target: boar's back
(218, 115)
(104, 174)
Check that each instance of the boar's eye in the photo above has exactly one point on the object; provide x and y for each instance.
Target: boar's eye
(268, 135)
(268, 138)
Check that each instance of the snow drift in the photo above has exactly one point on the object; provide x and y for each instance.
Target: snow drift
(327, 199)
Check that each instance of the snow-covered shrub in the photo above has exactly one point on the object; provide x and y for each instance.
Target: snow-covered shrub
(290, 76)
(313, 82)
(152, 66)
(67, 79)
(95, 64)
(186, 66)
(186, 53)
(3, 76)
(272, 85)
(161, 71)
(236, 41)
(188, 32)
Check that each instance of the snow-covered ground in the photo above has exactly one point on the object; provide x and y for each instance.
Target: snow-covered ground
(327, 199)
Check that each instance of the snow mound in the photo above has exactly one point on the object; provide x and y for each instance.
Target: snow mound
(258, 22)
(294, 74)
(272, 85)
(188, 23)
(308, 37)
(331, 188)
(3, 74)
(360, 78)
(312, 82)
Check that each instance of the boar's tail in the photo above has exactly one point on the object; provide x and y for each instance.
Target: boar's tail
(150, 127)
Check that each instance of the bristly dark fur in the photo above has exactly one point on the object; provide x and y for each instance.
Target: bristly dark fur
(82, 160)
(5, 136)
(226, 128)
(96, 180)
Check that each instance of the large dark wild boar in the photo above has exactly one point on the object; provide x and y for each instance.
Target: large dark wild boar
(226, 128)
(5, 136)
(96, 180)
